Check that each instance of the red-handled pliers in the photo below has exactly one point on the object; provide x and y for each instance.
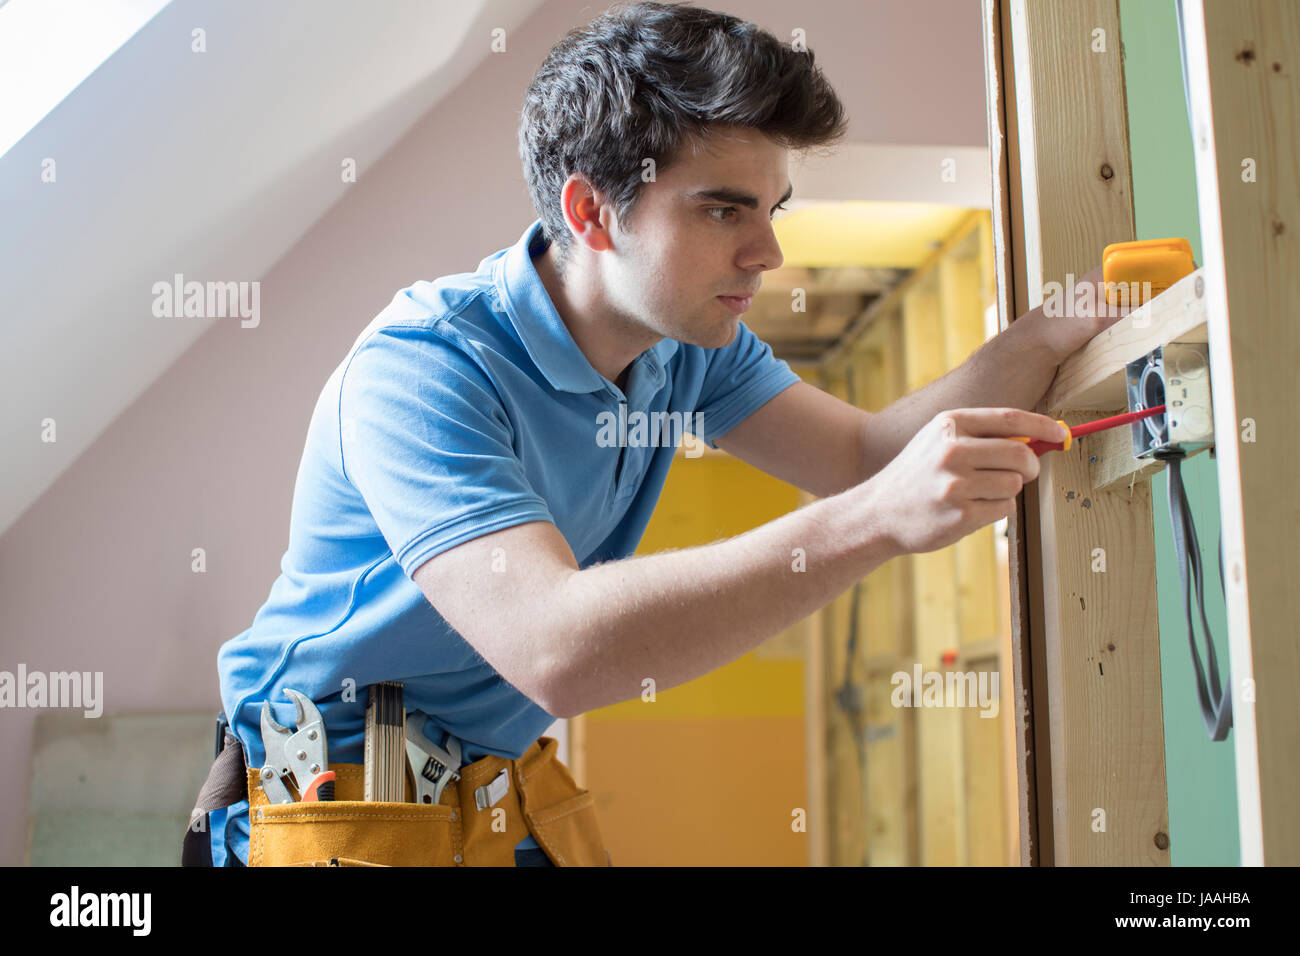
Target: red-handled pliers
(300, 755)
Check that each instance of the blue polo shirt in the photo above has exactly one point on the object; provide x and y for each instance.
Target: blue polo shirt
(465, 407)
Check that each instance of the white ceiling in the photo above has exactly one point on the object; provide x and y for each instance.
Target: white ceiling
(210, 164)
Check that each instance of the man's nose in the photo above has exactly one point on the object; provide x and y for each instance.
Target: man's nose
(766, 254)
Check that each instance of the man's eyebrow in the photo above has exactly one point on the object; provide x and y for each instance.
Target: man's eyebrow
(724, 194)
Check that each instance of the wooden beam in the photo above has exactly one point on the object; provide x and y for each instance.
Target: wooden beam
(1246, 136)
(1094, 654)
(819, 830)
(1111, 465)
(1093, 377)
(1008, 262)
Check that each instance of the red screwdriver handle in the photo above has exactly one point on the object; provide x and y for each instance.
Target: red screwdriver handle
(1040, 446)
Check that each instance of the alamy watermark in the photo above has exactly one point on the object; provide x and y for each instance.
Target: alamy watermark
(946, 689)
(55, 689)
(212, 300)
(1090, 299)
(129, 910)
(651, 430)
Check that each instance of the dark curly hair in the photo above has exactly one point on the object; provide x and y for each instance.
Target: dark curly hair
(646, 80)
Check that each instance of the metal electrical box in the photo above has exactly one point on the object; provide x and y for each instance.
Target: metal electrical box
(1177, 376)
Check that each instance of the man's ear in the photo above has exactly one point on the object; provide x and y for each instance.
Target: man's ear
(588, 214)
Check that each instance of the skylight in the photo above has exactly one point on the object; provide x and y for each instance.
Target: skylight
(48, 47)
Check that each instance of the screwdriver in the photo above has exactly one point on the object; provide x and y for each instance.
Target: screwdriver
(1038, 446)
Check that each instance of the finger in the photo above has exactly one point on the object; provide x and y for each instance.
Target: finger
(1004, 423)
(997, 454)
(987, 512)
(994, 485)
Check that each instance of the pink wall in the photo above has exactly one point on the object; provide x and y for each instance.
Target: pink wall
(95, 576)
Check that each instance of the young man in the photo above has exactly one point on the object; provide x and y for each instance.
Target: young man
(459, 526)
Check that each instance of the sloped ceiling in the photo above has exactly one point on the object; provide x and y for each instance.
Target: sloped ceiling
(215, 163)
(210, 164)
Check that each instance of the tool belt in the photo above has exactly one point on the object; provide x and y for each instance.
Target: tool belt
(477, 822)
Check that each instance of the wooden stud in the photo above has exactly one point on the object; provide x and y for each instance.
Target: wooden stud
(1093, 377)
(1246, 137)
(1008, 261)
(1097, 730)
(819, 834)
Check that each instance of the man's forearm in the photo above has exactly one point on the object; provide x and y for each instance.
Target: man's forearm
(676, 615)
(1011, 370)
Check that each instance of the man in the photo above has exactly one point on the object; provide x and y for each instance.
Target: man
(458, 526)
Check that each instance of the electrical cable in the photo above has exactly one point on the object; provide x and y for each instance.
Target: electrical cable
(1215, 700)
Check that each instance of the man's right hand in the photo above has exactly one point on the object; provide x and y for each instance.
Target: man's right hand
(959, 473)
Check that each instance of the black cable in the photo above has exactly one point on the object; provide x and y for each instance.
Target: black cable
(1216, 699)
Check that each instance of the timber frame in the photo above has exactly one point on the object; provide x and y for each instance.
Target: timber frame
(1086, 653)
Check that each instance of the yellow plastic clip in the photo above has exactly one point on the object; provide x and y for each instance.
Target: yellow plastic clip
(1126, 268)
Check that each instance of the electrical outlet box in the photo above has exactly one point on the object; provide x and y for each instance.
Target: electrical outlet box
(1176, 376)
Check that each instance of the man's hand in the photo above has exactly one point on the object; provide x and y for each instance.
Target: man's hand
(1090, 314)
(959, 473)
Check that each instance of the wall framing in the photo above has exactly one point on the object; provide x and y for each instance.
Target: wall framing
(1062, 190)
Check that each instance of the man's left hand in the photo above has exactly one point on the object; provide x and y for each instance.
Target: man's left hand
(1069, 327)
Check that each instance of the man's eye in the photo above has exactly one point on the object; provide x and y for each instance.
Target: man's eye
(732, 209)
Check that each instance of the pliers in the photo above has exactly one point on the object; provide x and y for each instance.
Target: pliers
(299, 755)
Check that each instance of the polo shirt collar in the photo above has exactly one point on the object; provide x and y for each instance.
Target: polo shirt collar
(543, 332)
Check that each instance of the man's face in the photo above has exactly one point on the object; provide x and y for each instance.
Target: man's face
(701, 230)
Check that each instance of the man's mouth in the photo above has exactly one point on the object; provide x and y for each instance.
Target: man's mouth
(736, 303)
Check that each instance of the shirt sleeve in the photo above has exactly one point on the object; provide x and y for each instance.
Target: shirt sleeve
(426, 441)
(740, 379)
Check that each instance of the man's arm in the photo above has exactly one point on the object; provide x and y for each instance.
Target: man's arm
(573, 640)
(823, 445)
(804, 436)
